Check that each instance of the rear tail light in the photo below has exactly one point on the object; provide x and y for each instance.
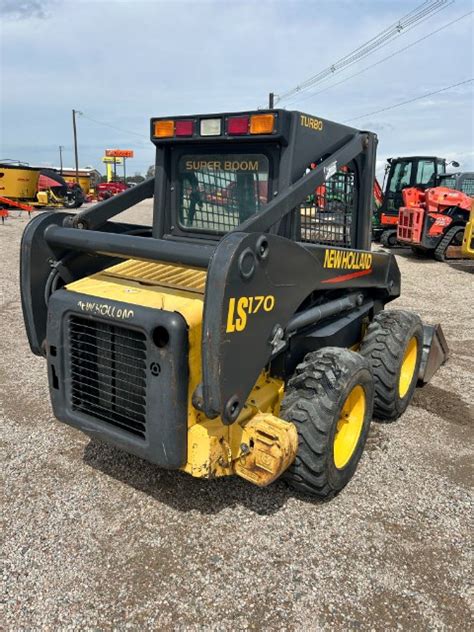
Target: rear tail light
(238, 125)
(211, 127)
(241, 125)
(184, 128)
(164, 129)
(262, 123)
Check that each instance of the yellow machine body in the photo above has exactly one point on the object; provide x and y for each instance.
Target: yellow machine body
(258, 446)
(21, 184)
(47, 198)
(18, 183)
(42, 198)
(467, 248)
(85, 182)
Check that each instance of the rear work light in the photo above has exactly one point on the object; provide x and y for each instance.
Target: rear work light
(262, 123)
(238, 125)
(184, 128)
(164, 129)
(211, 127)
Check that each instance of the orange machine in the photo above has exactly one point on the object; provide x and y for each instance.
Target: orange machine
(434, 220)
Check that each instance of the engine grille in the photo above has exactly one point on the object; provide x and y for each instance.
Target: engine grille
(108, 373)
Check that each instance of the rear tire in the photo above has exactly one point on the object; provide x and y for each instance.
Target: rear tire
(393, 345)
(74, 198)
(389, 238)
(330, 401)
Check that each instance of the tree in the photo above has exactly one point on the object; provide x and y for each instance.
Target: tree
(137, 177)
(151, 172)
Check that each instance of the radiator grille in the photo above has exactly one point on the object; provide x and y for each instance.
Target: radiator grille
(108, 373)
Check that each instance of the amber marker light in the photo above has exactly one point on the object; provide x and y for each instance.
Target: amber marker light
(164, 129)
(262, 123)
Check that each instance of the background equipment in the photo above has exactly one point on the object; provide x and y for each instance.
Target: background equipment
(434, 221)
(22, 185)
(401, 173)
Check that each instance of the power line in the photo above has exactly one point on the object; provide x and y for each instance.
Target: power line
(120, 129)
(403, 25)
(371, 50)
(397, 105)
(397, 52)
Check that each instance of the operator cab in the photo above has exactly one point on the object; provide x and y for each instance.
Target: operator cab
(413, 171)
(224, 169)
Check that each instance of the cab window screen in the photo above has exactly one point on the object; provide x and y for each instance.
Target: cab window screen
(326, 216)
(449, 182)
(216, 193)
(467, 186)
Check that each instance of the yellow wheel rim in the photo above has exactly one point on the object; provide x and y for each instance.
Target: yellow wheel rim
(349, 427)
(407, 370)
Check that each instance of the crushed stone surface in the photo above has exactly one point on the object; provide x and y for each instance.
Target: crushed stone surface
(96, 539)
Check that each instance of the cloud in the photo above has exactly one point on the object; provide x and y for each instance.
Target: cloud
(25, 9)
(123, 62)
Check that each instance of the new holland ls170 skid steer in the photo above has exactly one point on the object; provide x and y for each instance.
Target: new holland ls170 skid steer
(244, 332)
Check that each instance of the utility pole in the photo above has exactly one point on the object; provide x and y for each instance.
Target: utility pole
(61, 159)
(271, 100)
(74, 112)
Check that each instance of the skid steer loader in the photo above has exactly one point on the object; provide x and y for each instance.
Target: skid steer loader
(244, 331)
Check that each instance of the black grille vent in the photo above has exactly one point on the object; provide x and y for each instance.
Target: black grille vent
(108, 373)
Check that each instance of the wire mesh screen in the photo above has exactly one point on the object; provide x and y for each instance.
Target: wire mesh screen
(467, 185)
(326, 216)
(217, 193)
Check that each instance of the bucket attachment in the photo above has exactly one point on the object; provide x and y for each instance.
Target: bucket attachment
(435, 352)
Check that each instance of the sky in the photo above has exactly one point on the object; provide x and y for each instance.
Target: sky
(121, 62)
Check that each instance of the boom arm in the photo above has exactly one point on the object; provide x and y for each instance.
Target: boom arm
(251, 296)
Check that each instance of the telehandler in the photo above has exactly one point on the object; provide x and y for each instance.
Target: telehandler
(436, 221)
(401, 173)
(244, 332)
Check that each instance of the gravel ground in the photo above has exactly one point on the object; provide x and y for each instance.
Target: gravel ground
(98, 540)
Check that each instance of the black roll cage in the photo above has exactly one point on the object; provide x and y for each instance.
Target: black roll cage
(358, 147)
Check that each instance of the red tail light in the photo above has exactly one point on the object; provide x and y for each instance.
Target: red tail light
(238, 125)
(184, 128)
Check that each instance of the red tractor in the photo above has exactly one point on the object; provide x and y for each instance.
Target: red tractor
(433, 221)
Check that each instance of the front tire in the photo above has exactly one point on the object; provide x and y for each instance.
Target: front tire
(393, 345)
(330, 401)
